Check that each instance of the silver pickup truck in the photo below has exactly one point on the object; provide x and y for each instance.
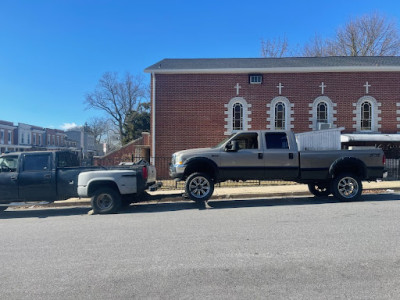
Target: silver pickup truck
(274, 155)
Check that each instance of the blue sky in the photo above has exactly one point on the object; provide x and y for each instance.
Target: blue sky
(54, 52)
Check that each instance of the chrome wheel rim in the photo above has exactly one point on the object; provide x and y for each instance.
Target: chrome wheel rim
(348, 187)
(199, 187)
(104, 201)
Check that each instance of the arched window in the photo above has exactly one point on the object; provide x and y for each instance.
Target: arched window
(366, 116)
(322, 112)
(237, 116)
(280, 115)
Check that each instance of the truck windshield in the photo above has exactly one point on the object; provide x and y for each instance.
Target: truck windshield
(223, 141)
(8, 163)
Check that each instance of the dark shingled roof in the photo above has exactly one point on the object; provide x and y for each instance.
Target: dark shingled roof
(219, 64)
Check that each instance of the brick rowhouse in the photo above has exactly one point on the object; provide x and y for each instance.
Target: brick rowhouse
(192, 100)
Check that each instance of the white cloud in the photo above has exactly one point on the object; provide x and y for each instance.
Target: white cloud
(67, 126)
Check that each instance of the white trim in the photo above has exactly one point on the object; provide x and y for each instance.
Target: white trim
(375, 112)
(8, 127)
(313, 111)
(277, 70)
(153, 111)
(289, 112)
(229, 115)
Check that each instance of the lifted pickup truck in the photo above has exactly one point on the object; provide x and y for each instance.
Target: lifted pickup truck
(274, 155)
(48, 176)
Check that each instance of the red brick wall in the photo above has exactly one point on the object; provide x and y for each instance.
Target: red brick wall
(126, 153)
(190, 108)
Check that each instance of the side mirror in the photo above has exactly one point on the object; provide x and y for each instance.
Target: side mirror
(232, 146)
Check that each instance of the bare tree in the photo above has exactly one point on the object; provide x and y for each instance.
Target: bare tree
(117, 97)
(98, 127)
(277, 47)
(318, 47)
(368, 35)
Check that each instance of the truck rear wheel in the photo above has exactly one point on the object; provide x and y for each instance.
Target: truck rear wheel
(106, 201)
(199, 187)
(347, 187)
(319, 189)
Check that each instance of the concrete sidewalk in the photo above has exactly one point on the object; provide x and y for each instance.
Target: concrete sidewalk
(289, 190)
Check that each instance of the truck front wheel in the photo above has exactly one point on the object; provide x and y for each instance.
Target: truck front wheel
(106, 201)
(319, 189)
(199, 187)
(347, 187)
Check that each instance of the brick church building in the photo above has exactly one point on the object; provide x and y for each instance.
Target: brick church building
(198, 102)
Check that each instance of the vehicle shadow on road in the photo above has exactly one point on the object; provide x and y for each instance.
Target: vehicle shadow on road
(160, 206)
(43, 212)
(242, 203)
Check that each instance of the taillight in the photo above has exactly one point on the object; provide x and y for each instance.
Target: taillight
(144, 173)
(383, 159)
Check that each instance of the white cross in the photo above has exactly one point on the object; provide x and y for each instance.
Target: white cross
(280, 86)
(366, 87)
(237, 87)
(322, 86)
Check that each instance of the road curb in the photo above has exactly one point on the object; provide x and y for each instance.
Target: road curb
(177, 197)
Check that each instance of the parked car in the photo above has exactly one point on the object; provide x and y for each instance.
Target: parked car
(274, 155)
(56, 175)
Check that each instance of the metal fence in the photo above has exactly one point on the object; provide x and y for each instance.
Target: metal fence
(392, 165)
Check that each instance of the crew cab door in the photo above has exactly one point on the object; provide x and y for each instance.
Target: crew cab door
(242, 158)
(36, 178)
(280, 156)
(8, 178)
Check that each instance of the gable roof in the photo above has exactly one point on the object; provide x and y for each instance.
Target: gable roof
(277, 65)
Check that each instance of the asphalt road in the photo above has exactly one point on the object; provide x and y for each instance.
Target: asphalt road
(296, 248)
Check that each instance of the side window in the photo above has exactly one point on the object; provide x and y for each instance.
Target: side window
(8, 163)
(247, 141)
(39, 162)
(280, 116)
(276, 140)
(322, 112)
(237, 116)
(366, 116)
(67, 159)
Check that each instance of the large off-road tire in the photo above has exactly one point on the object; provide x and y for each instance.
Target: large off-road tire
(106, 201)
(347, 187)
(199, 187)
(320, 189)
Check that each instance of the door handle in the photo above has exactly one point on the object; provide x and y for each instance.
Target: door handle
(291, 156)
(13, 178)
(260, 155)
(47, 176)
